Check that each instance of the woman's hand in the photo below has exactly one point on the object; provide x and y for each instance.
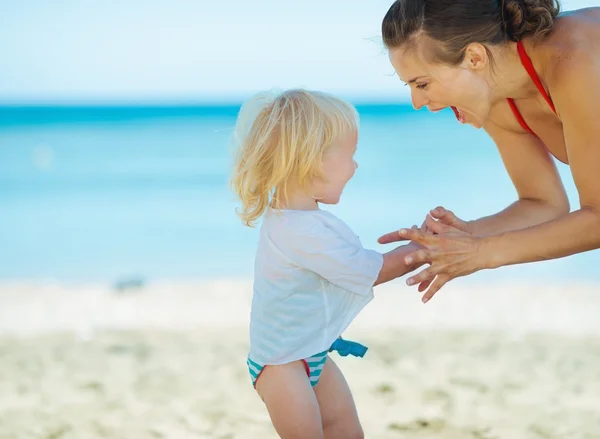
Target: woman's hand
(444, 216)
(450, 252)
(440, 214)
(448, 218)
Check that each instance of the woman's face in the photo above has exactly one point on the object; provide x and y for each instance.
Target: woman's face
(465, 87)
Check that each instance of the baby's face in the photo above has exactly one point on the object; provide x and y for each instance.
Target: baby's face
(338, 167)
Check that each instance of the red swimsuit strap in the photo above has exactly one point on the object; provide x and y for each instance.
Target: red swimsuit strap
(517, 114)
(526, 61)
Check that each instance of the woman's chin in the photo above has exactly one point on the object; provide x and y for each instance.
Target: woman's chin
(475, 124)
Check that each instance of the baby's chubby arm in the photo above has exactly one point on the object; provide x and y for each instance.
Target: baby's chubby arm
(394, 265)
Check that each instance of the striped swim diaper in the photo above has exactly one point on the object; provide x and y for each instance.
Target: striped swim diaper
(314, 364)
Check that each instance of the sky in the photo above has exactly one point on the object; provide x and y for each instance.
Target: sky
(173, 51)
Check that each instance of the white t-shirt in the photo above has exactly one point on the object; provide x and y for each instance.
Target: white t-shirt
(312, 276)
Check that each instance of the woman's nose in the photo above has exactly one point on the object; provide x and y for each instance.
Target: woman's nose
(419, 100)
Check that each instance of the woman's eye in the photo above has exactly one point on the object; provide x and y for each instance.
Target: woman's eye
(422, 86)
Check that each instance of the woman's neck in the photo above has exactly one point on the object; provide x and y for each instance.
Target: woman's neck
(510, 78)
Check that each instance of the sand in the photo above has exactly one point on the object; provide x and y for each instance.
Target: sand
(167, 361)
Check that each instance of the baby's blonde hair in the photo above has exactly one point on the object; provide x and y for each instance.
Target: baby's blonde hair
(280, 139)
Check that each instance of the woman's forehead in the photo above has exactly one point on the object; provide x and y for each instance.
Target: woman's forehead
(408, 63)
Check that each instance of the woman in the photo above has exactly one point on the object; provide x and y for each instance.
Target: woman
(531, 79)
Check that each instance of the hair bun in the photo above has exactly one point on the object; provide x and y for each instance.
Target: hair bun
(525, 18)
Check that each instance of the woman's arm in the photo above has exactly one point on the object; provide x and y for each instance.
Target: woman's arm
(540, 191)
(520, 214)
(541, 194)
(578, 101)
(540, 199)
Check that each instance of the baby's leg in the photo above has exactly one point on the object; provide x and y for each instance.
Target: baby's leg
(338, 412)
(290, 401)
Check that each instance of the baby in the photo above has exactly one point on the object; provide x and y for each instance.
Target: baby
(312, 275)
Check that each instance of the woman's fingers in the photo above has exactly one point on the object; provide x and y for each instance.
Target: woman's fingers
(423, 286)
(438, 283)
(448, 217)
(438, 211)
(442, 214)
(423, 276)
(438, 226)
(413, 234)
(418, 257)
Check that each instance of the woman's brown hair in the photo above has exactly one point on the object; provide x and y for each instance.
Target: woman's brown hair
(453, 24)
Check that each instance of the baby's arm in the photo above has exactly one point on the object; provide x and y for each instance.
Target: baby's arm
(393, 263)
(322, 249)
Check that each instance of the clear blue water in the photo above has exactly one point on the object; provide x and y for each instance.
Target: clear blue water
(103, 193)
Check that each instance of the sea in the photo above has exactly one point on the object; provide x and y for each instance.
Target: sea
(111, 193)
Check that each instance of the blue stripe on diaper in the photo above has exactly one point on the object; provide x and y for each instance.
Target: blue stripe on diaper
(315, 367)
(256, 365)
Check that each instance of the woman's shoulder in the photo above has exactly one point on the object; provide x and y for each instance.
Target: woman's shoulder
(574, 29)
(573, 45)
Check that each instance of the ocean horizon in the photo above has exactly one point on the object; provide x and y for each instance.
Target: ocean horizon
(106, 192)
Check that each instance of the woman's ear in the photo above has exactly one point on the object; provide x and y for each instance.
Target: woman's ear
(476, 56)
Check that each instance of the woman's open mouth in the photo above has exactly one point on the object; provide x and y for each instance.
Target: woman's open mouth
(460, 116)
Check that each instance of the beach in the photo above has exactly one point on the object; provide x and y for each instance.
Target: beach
(125, 272)
(167, 360)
